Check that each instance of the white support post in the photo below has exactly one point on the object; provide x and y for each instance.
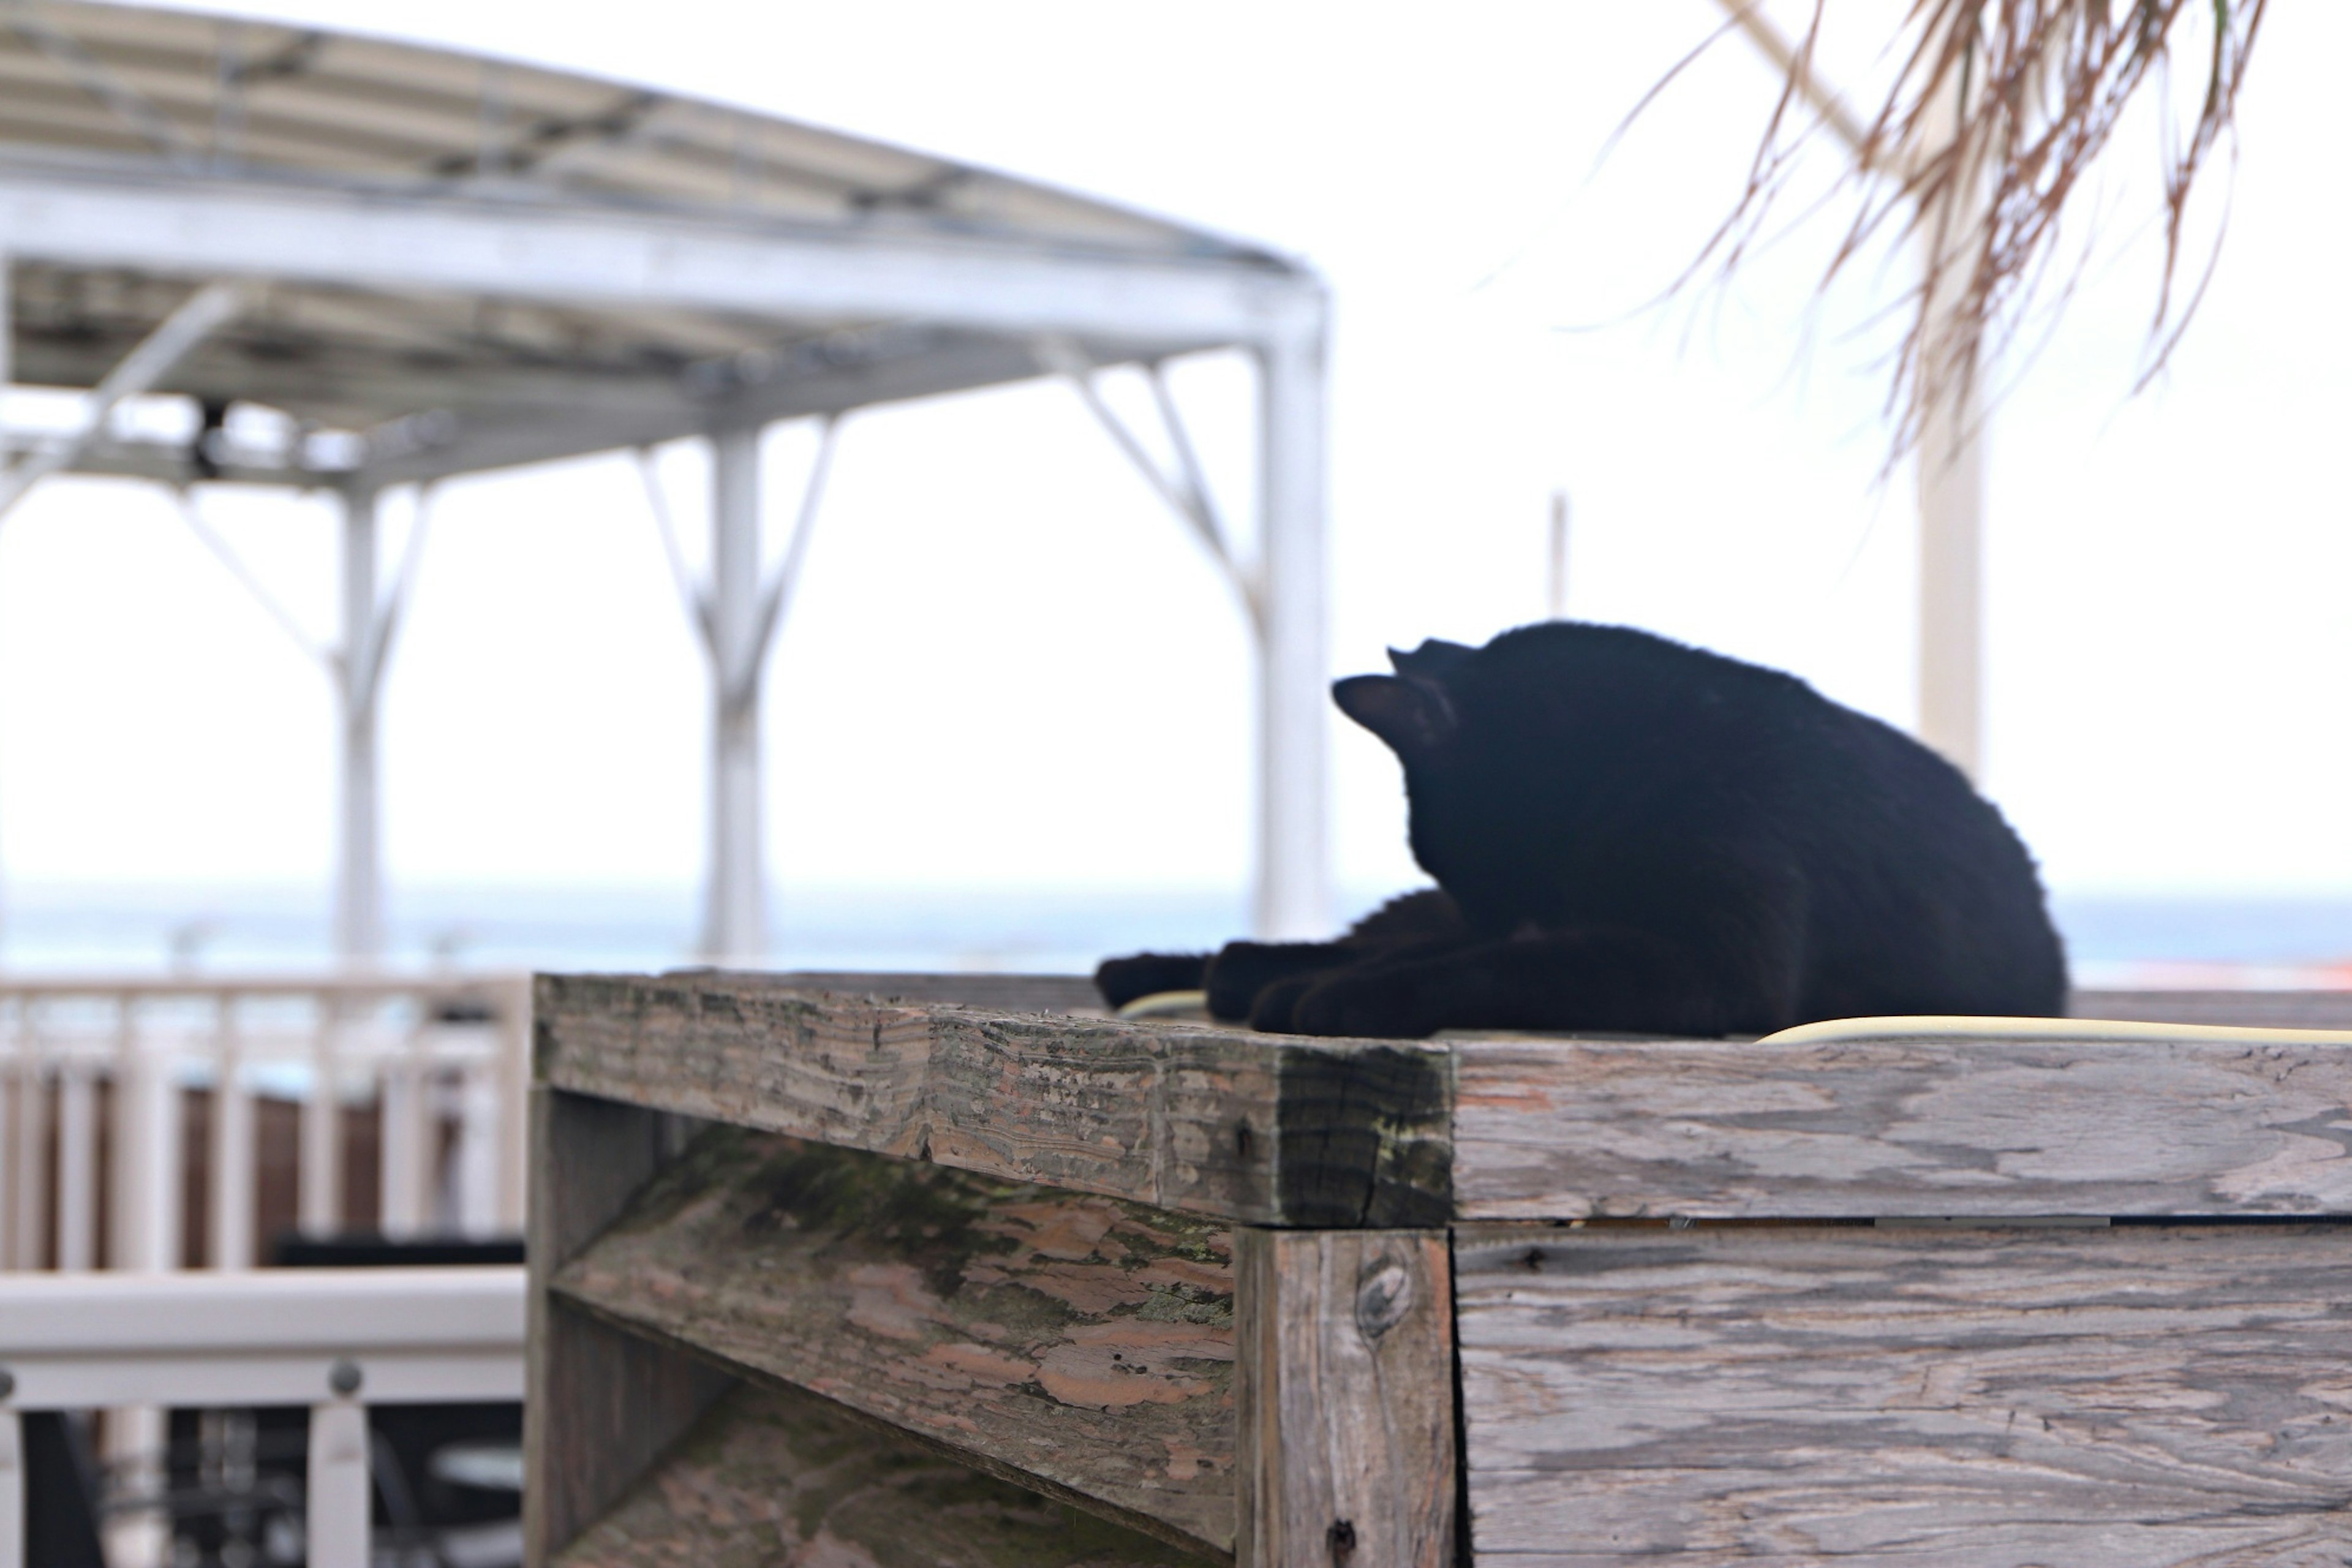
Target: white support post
(336, 1503)
(734, 927)
(143, 1237)
(1292, 895)
(1951, 473)
(1952, 583)
(1951, 427)
(359, 892)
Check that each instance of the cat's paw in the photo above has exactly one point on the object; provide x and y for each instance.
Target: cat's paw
(1271, 1009)
(1122, 980)
(1368, 1003)
(1242, 971)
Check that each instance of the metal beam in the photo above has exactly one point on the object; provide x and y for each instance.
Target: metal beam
(382, 239)
(181, 331)
(955, 364)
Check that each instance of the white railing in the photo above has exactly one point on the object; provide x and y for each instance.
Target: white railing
(443, 1057)
(335, 1340)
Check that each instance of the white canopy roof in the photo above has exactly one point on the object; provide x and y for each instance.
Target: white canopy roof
(474, 262)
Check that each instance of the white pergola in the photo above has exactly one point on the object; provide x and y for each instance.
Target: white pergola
(434, 264)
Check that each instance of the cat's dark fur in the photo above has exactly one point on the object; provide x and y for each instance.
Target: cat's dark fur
(1632, 835)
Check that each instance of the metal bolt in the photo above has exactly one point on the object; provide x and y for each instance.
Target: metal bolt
(343, 1377)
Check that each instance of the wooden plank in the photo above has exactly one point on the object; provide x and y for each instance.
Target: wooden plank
(602, 1406)
(1000, 993)
(773, 1478)
(2239, 1009)
(2138, 1396)
(1264, 1128)
(1345, 1404)
(1076, 1344)
(1883, 1118)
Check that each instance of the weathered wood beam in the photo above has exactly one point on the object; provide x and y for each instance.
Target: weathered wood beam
(603, 1406)
(1346, 1402)
(771, 1477)
(2019, 1117)
(1078, 1345)
(1259, 1129)
(2135, 1397)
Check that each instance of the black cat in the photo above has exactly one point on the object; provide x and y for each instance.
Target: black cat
(1631, 834)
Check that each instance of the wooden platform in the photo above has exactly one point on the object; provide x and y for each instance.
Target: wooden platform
(1897, 1291)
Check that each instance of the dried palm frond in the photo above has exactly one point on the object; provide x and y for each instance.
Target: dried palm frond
(1997, 113)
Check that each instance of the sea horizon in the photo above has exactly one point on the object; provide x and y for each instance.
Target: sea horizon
(2114, 938)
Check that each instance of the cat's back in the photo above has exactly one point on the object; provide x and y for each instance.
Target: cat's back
(1918, 896)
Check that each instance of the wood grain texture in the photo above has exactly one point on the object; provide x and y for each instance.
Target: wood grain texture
(601, 1405)
(1002, 993)
(1903, 1125)
(773, 1478)
(1346, 1401)
(1261, 1128)
(1074, 1344)
(2139, 1397)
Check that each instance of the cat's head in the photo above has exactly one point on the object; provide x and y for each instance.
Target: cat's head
(1432, 714)
(1496, 741)
(1413, 710)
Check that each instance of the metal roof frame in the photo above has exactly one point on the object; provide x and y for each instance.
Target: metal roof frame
(435, 264)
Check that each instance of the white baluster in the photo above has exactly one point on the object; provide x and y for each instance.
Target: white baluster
(478, 1157)
(76, 1202)
(322, 1128)
(514, 1103)
(400, 1148)
(235, 1153)
(336, 1521)
(12, 1487)
(29, 1192)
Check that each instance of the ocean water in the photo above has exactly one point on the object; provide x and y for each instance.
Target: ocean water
(2112, 939)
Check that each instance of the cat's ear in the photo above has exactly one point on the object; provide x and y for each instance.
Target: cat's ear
(1414, 717)
(1433, 661)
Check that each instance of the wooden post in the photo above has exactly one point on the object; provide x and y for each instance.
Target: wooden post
(1345, 1399)
(602, 1406)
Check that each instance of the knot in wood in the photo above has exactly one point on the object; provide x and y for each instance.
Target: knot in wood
(1341, 1538)
(1383, 1295)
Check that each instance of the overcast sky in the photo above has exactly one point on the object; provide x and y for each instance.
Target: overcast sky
(1008, 664)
